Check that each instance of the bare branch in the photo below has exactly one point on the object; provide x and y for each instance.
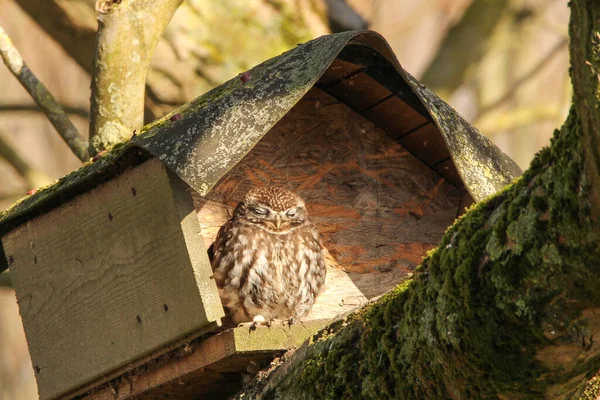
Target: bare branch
(516, 118)
(584, 30)
(43, 98)
(197, 60)
(127, 35)
(342, 17)
(522, 79)
(447, 70)
(35, 178)
(78, 111)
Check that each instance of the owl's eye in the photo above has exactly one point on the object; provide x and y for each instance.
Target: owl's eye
(259, 210)
(292, 213)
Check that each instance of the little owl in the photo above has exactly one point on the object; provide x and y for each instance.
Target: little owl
(267, 259)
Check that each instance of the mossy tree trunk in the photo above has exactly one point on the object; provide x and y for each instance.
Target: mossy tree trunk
(507, 307)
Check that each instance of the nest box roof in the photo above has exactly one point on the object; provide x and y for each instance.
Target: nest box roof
(214, 132)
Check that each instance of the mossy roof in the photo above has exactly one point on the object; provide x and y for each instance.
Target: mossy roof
(215, 131)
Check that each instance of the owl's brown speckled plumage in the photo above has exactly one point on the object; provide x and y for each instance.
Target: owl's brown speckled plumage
(267, 259)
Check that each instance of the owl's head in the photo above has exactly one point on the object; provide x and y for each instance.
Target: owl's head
(272, 207)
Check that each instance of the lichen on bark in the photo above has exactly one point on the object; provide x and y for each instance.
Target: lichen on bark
(127, 34)
(510, 283)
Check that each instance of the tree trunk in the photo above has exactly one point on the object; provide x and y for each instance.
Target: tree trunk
(507, 307)
(127, 34)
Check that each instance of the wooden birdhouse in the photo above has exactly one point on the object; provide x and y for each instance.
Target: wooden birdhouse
(110, 264)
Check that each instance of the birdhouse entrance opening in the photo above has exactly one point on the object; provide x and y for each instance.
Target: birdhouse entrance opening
(378, 207)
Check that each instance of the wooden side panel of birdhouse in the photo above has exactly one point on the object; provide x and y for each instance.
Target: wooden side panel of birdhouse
(378, 207)
(110, 276)
(211, 368)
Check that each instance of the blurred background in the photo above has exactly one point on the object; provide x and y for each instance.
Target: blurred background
(503, 64)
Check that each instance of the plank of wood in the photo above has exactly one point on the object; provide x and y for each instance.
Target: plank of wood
(110, 276)
(337, 71)
(360, 91)
(210, 368)
(387, 114)
(426, 143)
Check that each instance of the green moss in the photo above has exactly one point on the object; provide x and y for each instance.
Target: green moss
(470, 323)
(592, 389)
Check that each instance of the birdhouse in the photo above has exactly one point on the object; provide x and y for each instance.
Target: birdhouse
(110, 264)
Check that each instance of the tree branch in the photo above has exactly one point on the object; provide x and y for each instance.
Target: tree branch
(43, 98)
(34, 177)
(522, 79)
(127, 34)
(197, 59)
(342, 17)
(514, 118)
(447, 70)
(78, 111)
(584, 31)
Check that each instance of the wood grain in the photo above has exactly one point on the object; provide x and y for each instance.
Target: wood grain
(360, 91)
(337, 71)
(390, 111)
(378, 208)
(110, 276)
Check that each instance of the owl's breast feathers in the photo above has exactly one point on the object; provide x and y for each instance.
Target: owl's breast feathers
(261, 273)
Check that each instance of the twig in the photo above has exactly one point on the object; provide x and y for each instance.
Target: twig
(78, 111)
(522, 79)
(451, 63)
(35, 178)
(5, 280)
(43, 98)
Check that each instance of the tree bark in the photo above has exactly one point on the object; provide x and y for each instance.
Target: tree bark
(507, 307)
(127, 34)
(584, 31)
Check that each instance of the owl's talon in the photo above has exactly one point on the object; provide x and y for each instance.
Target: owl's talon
(250, 325)
(259, 320)
(291, 321)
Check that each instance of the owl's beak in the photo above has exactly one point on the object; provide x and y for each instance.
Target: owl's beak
(278, 221)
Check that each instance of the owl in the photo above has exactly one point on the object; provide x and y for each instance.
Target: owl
(267, 259)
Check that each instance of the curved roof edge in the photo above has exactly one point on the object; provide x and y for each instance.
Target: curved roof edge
(219, 128)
